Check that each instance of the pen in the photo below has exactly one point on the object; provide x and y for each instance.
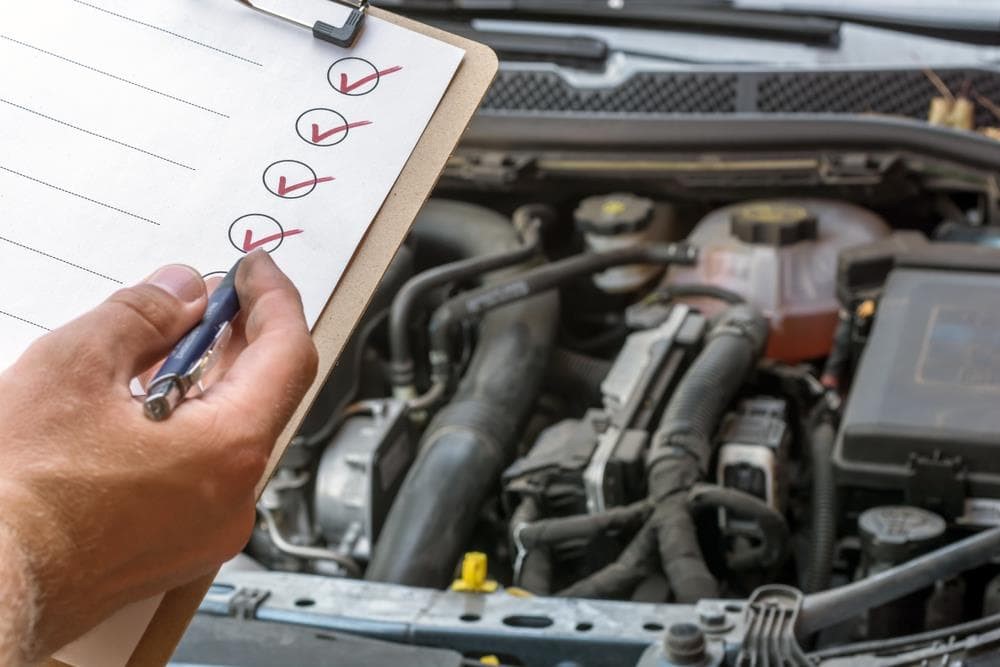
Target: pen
(192, 356)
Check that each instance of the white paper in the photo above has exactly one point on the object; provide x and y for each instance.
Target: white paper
(137, 133)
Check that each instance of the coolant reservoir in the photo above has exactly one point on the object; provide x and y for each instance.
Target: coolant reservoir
(612, 222)
(781, 255)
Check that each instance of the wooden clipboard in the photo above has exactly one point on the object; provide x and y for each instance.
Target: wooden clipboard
(348, 303)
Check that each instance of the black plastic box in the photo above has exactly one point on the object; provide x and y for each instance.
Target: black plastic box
(927, 390)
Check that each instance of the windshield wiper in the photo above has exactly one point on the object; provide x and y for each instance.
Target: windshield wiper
(707, 15)
(577, 50)
(971, 31)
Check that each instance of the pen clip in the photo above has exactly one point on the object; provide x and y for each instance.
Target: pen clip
(199, 369)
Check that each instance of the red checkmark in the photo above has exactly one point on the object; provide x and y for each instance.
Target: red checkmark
(284, 188)
(347, 87)
(318, 136)
(249, 245)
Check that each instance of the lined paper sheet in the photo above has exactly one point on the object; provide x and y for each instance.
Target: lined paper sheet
(139, 133)
(136, 133)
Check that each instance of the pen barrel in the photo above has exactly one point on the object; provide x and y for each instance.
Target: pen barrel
(223, 306)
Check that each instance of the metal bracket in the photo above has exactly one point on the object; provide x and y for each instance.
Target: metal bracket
(245, 601)
(770, 617)
(937, 483)
(490, 168)
(991, 203)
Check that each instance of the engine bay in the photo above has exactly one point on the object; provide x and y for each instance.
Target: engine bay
(574, 386)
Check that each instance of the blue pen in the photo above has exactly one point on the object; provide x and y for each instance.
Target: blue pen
(193, 355)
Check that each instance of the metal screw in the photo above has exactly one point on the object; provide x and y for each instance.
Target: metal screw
(685, 644)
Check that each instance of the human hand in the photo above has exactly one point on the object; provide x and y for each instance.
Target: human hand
(106, 507)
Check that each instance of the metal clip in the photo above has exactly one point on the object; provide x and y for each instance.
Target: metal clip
(343, 36)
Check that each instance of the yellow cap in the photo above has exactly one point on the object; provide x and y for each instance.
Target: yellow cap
(474, 570)
(866, 308)
(489, 660)
(613, 207)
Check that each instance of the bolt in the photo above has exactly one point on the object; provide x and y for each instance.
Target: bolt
(712, 618)
(685, 644)
(601, 423)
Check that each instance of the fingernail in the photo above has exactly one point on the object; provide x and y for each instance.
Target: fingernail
(180, 281)
(261, 258)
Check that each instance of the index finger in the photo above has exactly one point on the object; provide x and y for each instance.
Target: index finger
(268, 378)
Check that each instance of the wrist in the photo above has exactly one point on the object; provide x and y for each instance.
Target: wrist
(18, 601)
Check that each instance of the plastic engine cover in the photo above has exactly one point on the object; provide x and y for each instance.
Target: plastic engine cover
(927, 390)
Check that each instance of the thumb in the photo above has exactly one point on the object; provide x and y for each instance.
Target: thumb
(138, 325)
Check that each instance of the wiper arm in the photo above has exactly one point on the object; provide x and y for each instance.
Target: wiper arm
(971, 27)
(581, 51)
(708, 15)
(971, 31)
(578, 51)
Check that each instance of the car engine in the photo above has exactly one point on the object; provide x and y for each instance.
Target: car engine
(624, 397)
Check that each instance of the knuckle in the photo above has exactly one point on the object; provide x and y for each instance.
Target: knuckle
(143, 308)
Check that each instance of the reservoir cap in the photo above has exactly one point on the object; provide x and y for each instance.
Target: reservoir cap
(610, 215)
(897, 533)
(773, 223)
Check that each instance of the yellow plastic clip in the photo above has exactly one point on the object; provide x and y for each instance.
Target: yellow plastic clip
(518, 592)
(489, 660)
(474, 569)
(866, 309)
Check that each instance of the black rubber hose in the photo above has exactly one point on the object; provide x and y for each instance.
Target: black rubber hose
(446, 230)
(822, 610)
(774, 533)
(548, 532)
(506, 252)
(341, 389)
(697, 406)
(697, 290)
(578, 373)
(819, 563)
(470, 441)
(532, 567)
(476, 303)
(682, 444)
(680, 453)
(836, 364)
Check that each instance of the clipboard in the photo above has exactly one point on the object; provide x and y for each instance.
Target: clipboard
(355, 289)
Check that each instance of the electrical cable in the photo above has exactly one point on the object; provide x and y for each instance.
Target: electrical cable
(908, 642)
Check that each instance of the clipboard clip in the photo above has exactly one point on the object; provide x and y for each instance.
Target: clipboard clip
(343, 36)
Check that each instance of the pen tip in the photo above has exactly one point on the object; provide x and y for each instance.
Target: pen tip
(157, 408)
